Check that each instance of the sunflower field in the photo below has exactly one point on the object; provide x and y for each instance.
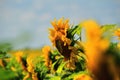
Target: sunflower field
(85, 51)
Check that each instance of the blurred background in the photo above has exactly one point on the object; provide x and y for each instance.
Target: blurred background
(25, 23)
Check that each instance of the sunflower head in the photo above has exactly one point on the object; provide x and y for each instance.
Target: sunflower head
(58, 36)
(19, 55)
(46, 53)
(59, 31)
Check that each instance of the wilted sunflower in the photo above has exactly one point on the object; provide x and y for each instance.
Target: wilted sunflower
(60, 31)
(58, 36)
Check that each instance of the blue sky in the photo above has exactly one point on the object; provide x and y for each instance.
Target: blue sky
(25, 22)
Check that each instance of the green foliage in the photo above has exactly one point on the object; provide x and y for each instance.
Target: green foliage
(73, 32)
(2, 55)
(41, 69)
(55, 78)
(53, 55)
(70, 77)
(81, 63)
(7, 74)
(115, 53)
(56, 64)
(4, 47)
(108, 30)
(15, 64)
(60, 68)
(108, 27)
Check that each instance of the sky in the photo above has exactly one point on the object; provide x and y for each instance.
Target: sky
(25, 23)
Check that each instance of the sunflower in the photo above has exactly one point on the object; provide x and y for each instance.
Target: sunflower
(95, 45)
(58, 36)
(19, 55)
(31, 68)
(46, 53)
(60, 31)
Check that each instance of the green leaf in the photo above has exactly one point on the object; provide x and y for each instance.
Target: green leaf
(108, 27)
(53, 65)
(40, 68)
(74, 33)
(56, 64)
(55, 78)
(7, 74)
(108, 30)
(75, 30)
(74, 74)
(5, 47)
(2, 54)
(78, 30)
(60, 68)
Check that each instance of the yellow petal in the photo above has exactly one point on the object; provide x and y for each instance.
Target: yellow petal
(60, 22)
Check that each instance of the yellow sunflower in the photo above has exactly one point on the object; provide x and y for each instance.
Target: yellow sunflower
(46, 53)
(19, 55)
(58, 36)
(60, 31)
(30, 68)
(95, 45)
